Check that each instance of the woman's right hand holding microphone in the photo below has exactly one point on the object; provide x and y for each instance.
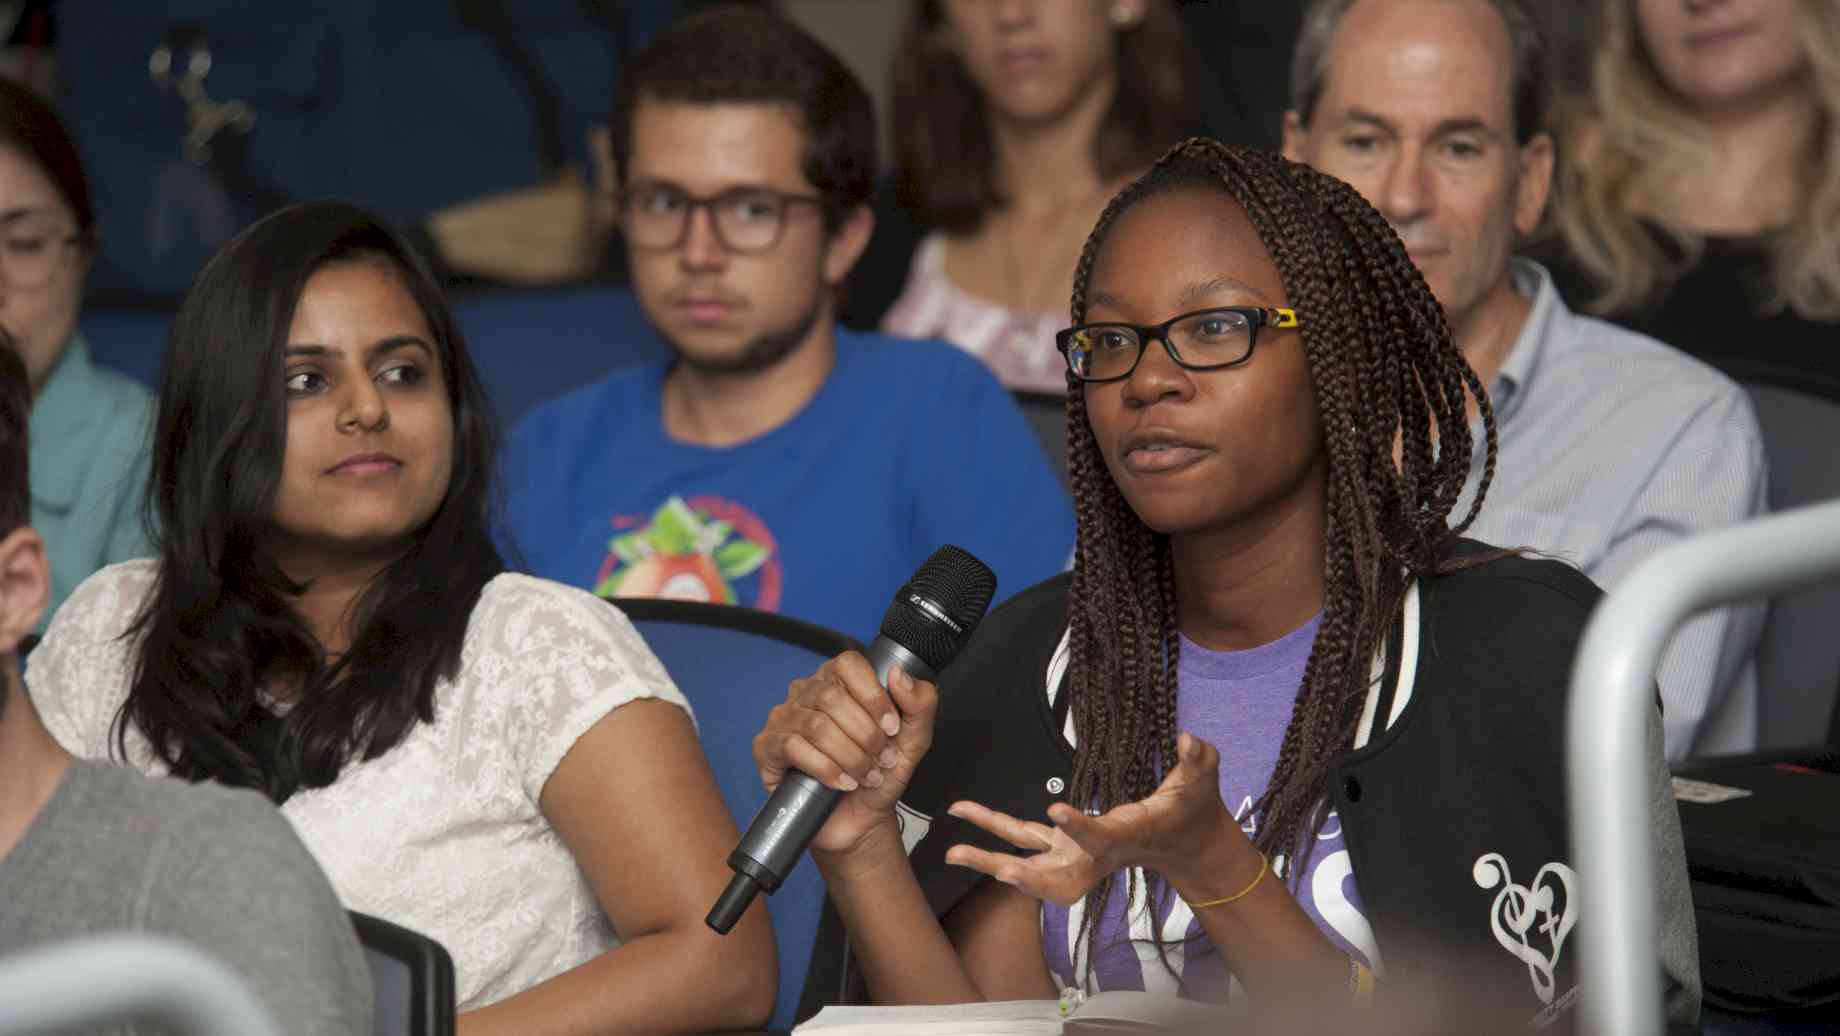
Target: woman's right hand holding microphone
(839, 726)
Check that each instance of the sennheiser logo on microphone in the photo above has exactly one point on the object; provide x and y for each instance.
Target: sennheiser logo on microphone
(934, 610)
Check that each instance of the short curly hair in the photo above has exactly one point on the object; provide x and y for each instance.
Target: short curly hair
(742, 55)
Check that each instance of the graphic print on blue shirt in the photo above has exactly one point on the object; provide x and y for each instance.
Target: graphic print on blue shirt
(1240, 702)
(705, 548)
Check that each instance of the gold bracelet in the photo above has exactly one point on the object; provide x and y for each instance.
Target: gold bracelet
(1264, 865)
(1360, 981)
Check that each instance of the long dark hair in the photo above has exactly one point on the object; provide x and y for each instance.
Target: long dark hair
(29, 125)
(220, 622)
(15, 440)
(15, 461)
(943, 147)
(1384, 368)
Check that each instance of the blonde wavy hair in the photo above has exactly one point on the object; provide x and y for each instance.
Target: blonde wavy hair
(1632, 134)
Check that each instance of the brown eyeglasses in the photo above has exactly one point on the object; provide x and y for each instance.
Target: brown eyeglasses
(749, 220)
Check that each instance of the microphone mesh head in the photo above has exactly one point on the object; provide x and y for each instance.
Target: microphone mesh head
(952, 589)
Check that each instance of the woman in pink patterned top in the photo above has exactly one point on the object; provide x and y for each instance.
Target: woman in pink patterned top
(1018, 346)
(1018, 121)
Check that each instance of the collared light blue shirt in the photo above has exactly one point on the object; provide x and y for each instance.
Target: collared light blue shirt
(91, 430)
(1612, 446)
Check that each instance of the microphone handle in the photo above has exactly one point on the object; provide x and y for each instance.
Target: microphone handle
(798, 808)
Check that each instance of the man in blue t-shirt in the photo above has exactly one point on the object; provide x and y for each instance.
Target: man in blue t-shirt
(777, 462)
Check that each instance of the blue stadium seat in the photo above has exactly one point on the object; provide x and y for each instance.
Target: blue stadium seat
(529, 345)
(535, 344)
(128, 340)
(734, 664)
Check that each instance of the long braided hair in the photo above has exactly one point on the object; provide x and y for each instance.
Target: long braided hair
(1387, 377)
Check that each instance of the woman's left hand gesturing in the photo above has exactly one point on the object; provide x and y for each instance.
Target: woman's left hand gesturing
(1171, 828)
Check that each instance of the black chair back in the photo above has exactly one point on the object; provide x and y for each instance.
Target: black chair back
(1047, 416)
(1798, 656)
(412, 978)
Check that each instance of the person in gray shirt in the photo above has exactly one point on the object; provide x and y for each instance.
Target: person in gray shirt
(88, 848)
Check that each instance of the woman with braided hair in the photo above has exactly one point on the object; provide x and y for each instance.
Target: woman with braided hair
(1280, 726)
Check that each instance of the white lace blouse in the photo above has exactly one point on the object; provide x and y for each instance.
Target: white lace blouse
(442, 833)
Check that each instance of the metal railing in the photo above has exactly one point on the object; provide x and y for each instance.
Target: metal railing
(1606, 728)
(109, 979)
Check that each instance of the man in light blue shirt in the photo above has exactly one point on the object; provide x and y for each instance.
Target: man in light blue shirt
(1612, 445)
(90, 434)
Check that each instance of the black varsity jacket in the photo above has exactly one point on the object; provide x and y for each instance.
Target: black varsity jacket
(1452, 798)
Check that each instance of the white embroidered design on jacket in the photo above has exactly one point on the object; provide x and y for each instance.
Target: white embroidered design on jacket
(1531, 921)
(913, 825)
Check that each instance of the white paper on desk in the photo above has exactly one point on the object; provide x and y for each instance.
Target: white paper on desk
(1114, 1011)
(1002, 1018)
(1686, 789)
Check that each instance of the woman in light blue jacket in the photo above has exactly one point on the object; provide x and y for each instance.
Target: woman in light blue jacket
(89, 425)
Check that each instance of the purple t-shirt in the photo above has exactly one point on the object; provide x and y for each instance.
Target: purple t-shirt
(1241, 703)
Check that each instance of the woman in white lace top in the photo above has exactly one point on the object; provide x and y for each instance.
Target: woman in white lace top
(496, 761)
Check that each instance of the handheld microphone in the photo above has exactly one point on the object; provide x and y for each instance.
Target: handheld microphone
(931, 618)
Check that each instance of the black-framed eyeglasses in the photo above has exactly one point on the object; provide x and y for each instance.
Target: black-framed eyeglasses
(656, 216)
(1205, 340)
